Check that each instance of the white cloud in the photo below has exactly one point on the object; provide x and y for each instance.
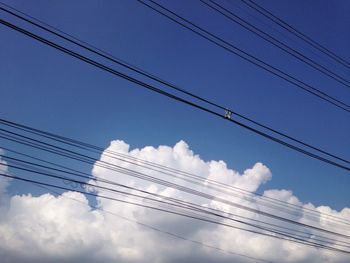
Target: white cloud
(3, 180)
(65, 228)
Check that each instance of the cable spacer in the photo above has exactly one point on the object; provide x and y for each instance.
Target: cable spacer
(228, 114)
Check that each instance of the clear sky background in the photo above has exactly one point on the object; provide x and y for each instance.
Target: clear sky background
(43, 88)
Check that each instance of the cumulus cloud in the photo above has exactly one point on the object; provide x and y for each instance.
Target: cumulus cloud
(3, 180)
(65, 228)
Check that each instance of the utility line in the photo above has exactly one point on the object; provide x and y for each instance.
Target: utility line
(171, 234)
(185, 189)
(284, 237)
(281, 32)
(167, 94)
(95, 149)
(274, 41)
(244, 55)
(295, 32)
(175, 202)
(103, 165)
(144, 73)
(187, 204)
(176, 173)
(118, 61)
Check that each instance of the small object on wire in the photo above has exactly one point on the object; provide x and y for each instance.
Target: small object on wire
(228, 114)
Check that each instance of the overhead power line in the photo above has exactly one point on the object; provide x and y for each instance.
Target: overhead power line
(169, 95)
(29, 166)
(285, 237)
(156, 167)
(185, 23)
(168, 184)
(193, 209)
(168, 233)
(177, 203)
(274, 41)
(263, 11)
(118, 61)
(143, 176)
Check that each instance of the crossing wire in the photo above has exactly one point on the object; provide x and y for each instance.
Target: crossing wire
(167, 94)
(177, 202)
(164, 169)
(263, 11)
(283, 237)
(42, 25)
(185, 23)
(274, 41)
(146, 177)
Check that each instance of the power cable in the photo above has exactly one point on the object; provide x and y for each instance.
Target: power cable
(297, 33)
(244, 55)
(284, 205)
(187, 204)
(167, 94)
(283, 237)
(274, 41)
(199, 181)
(185, 189)
(118, 61)
(171, 234)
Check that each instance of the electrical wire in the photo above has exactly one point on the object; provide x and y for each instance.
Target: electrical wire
(191, 205)
(95, 149)
(295, 32)
(167, 94)
(171, 234)
(223, 188)
(185, 23)
(274, 41)
(118, 61)
(284, 237)
(184, 189)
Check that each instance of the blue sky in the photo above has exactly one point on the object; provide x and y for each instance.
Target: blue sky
(43, 88)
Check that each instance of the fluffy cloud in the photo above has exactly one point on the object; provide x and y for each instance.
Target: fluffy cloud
(3, 180)
(65, 228)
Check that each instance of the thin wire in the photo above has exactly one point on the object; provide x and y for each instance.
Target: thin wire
(248, 57)
(274, 41)
(280, 209)
(167, 94)
(187, 204)
(287, 238)
(286, 36)
(118, 61)
(296, 32)
(158, 229)
(193, 176)
(87, 146)
(96, 163)
(148, 178)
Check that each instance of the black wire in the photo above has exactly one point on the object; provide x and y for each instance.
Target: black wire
(182, 203)
(96, 163)
(169, 95)
(105, 55)
(201, 179)
(284, 237)
(148, 178)
(158, 229)
(99, 150)
(248, 57)
(275, 42)
(108, 56)
(296, 32)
